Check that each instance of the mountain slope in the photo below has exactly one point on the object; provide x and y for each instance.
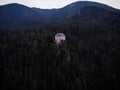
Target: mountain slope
(16, 15)
(12, 15)
(97, 13)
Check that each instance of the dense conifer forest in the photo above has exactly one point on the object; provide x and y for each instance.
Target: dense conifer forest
(89, 59)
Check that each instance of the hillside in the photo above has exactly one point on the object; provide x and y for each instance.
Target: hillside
(89, 59)
(12, 15)
(20, 16)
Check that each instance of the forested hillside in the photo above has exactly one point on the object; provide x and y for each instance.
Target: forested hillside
(89, 59)
(18, 16)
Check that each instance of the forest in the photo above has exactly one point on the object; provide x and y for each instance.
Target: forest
(89, 59)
